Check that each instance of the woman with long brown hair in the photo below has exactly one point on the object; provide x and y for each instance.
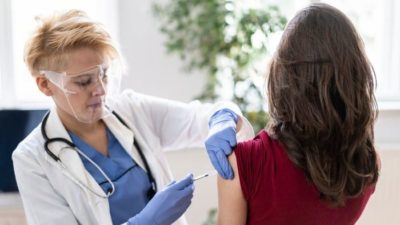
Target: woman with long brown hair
(316, 162)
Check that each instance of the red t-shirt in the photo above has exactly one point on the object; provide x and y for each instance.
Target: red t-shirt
(277, 192)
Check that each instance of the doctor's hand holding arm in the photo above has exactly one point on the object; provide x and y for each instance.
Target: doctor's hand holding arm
(221, 139)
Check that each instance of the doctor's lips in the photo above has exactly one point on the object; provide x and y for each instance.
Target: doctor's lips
(96, 103)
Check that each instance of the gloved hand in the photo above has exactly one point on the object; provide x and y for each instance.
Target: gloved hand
(221, 139)
(167, 205)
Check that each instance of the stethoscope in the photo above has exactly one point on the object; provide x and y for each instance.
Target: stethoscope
(72, 146)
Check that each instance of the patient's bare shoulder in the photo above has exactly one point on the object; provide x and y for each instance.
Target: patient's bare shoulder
(232, 206)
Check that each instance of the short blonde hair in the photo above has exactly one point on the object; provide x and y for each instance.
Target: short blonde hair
(58, 34)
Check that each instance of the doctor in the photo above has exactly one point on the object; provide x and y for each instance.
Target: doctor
(98, 159)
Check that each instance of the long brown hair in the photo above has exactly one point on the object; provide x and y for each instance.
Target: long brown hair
(322, 104)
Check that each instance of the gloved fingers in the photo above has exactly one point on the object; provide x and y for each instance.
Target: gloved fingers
(221, 128)
(181, 209)
(168, 186)
(223, 145)
(223, 115)
(183, 198)
(210, 141)
(226, 132)
(219, 142)
(185, 202)
(229, 172)
(188, 190)
(215, 163)
(172, 182)
(231, 137)
(225, 166)
(188, 180)
(186, 197)
(187, 193)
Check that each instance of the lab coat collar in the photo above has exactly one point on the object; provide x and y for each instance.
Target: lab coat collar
(125, 136)
(75, 169)
(161, 176)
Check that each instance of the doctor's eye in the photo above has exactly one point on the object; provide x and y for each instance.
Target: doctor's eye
(83, 82)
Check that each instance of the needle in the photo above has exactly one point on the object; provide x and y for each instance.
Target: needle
(211, 173)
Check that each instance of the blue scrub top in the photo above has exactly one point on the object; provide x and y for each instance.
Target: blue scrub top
(130, 180)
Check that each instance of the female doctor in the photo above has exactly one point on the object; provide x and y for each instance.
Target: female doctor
(97, 159)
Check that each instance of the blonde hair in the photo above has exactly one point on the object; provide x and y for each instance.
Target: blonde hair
(58, 34)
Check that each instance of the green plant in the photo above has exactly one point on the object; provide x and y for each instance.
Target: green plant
(224, 39)
(212, 217)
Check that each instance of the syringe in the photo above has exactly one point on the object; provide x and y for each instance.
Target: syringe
(211, 173)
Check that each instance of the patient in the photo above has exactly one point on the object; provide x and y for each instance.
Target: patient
(316, 163)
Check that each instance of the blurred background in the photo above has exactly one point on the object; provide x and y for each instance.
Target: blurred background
(199, 49)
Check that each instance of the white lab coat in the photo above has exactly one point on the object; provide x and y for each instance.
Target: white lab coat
(52, 195)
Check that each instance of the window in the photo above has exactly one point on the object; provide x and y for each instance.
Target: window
(5, 39)
(18, 90)
(378, 22)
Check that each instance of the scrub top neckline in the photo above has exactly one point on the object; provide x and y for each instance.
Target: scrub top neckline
(117, 162)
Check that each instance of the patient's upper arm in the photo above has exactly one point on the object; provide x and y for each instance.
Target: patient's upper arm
(232, 206)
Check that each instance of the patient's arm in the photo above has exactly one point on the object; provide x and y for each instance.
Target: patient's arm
(232, 206)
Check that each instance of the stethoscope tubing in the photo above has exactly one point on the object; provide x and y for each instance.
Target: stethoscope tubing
(72, 146)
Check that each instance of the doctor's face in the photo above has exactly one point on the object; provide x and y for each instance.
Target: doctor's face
(79, 91)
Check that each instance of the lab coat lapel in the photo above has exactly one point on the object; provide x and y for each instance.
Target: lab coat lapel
(68, 156)
(125, 136)
(75, 168)
(161, 176)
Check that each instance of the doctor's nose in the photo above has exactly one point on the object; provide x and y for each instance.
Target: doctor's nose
(99, 89)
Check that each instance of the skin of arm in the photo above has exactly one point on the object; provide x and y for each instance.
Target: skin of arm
(239, 125)
(232, 206)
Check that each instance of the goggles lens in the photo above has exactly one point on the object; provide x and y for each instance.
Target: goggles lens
(100, 79)
(81, 82)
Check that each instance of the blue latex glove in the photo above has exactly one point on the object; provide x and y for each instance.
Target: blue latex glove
(221, 139)
(167, 205)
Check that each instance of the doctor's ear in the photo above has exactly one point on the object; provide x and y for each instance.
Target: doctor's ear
(44, 85)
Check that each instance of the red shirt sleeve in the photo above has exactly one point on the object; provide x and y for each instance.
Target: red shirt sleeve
(252, 160)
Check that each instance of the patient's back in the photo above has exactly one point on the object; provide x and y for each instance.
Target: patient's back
(277, 192)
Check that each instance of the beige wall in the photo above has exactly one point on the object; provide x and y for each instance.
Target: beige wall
(384, 205)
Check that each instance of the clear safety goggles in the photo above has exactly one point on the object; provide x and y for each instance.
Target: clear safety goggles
(98, 83)
(81, 82)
